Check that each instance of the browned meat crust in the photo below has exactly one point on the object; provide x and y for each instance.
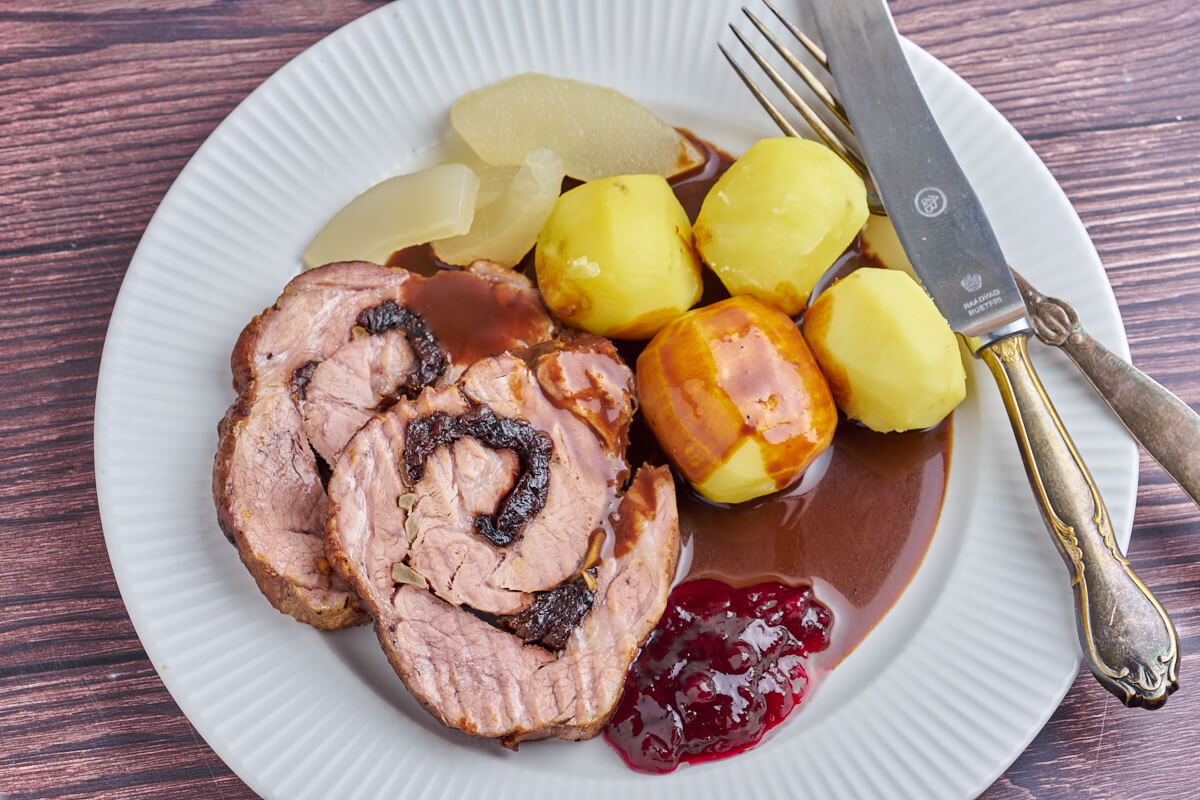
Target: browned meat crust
(436, 613)
(308, 373)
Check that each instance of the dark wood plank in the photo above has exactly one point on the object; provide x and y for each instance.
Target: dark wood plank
(104, 117)
(105, 100)
(99, 178)
(132, 129)
(1137, 191)
(103, 730)
(1053, 66)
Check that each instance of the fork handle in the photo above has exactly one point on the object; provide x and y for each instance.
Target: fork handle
(1160, 421)
(1128, 641)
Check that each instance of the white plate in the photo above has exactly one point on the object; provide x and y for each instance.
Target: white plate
(936, 703)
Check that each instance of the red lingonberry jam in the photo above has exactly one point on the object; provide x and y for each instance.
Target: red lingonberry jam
(723, 667)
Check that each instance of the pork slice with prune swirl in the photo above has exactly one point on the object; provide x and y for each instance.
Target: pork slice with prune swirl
(488, 530)
(341, 343)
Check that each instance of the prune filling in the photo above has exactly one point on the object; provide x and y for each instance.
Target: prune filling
(552, 616)
(424, 435)
(300, 378)
(387, 316)
(324, 471)
(431, 361)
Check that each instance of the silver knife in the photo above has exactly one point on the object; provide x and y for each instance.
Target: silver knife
(1128, 640)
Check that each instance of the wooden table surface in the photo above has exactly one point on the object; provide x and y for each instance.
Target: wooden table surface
(102, 102)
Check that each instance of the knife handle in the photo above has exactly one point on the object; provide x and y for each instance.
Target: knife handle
(1160, 421)
(1128, 641)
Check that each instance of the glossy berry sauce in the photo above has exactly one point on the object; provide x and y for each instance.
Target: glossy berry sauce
(722, 668)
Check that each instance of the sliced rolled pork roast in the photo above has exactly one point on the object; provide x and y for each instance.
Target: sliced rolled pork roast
(342, 342)
(484, 526)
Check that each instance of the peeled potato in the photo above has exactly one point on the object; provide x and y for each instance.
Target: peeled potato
(778, 218)
(735, 398)
(400, 212)
(507, 228)
(615, 257)
(599, 132)
(890, 357)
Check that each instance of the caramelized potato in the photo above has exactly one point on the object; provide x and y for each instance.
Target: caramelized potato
(891, 359)
(599, 132)
(778, 218)
(397, 213)
(735, 398)
(615, 257)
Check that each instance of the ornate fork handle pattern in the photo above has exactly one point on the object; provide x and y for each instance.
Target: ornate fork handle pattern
(1160, 421)
(1127, 639)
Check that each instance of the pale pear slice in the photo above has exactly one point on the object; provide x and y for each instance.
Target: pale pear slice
(399, 212)
(598, 132)
(493, 180)
(506, 229)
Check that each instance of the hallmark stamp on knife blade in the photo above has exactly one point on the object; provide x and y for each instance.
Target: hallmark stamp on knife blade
(983, 302)
(930, 202)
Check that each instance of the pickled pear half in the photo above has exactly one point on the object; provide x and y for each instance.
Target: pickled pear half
(399, 212)
(599, 132)
(507, 228)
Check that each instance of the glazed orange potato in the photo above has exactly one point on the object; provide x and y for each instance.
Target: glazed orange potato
(736, 399)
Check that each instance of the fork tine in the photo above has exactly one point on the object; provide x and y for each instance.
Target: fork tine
(813, 49)
(826, 133)
(806, 74)
(846, 148)
(767, 105)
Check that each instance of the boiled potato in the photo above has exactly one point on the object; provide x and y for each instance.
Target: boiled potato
(507, 228)
(778, 218)
(615, 257)
(397, 213)
(599, 132)
(890, 357)
(735, 398)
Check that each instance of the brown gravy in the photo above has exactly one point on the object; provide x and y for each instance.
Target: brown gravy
(857, 535)
(455, 304)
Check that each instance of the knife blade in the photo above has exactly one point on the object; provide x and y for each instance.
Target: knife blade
(1126, 638)
(937, 214)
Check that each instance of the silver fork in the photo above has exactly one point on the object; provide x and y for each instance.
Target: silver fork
(1163, 424)
(1126, 637)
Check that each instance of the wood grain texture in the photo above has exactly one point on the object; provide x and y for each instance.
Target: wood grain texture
(105, 100)
(1058, 66)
